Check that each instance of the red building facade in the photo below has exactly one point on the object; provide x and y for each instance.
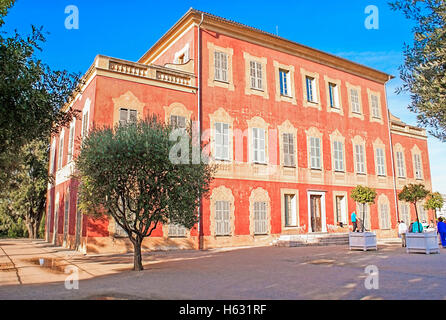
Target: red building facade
(292, 129)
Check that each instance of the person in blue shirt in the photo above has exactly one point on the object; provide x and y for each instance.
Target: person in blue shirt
(417, 227)
(441, 229)
(354, 221)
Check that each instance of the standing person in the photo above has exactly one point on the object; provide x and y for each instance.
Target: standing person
(441, 229)
(417, 227)
(354, 221)
(402, 230)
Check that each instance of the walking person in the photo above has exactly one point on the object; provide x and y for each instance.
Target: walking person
(402, 230)
(441, 229)
(354, 221)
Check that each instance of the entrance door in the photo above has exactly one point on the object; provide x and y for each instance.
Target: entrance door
(316, 213)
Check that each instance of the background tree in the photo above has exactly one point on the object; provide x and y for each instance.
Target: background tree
(424, 69)
(413, 193)
(434, 202)
(125, 172)
(23, 199)
(31, 94)
(363, 195)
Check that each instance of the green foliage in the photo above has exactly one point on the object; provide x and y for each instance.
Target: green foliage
(125, 172)
(363, 195)
(434, 201)
(413, 193)
(424, 70)
(31, 95)
(23, 198)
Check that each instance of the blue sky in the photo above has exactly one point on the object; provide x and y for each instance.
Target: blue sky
(126, 29)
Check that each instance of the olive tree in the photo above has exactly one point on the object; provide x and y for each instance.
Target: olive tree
(413, 193)
(126, 172)
(363, 195)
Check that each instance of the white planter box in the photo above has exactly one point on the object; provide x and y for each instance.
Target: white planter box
(426, 242)
(362, 240)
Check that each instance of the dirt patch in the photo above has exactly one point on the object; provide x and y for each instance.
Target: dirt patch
(322, 261)
(7, 266)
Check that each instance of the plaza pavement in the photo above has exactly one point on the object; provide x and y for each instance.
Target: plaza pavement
(331, 272)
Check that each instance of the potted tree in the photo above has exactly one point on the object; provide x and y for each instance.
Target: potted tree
(364, 239)
(416, 239)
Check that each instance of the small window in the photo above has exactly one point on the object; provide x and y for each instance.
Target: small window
(360, 159)
(400, 164)
(221, 141)
(176, 231)
(178, 121)
(71, 143)
(290, 210)
(259, 146)
(260, 218)
(418, 167)
(375, 106)
(384, 216)
(127, 116)
(354, 99)
(284, 76)
(405, 213)
(311, 89)
(256, 75)
(288, 150)
(338, 156)
(222, 218)
(221, 66)
(60, 157)
(315, 153)
(380, 162)
(85, 124)
(334, 95)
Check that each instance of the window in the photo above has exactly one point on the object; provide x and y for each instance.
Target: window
(359, 159)
(178, 121)
(375, 106)
(85, 124)
(311, 89)
(354, 98)
(259, 145)
(221, 66)
(66, 214)
(222, 218)
(384, 216)
(334, 95)
(338, 156)
(284, 76)
(127, 116)
(256, 75)
(315, 153)
(341, 213)
(59, 160)
(176, 231)
(380, 162)
(400, 164)
(417, 164)
(52, 156)
(288, 150)
(290, 210)
(260, 218)
(362, 210)
(405, 213)
(71, 143)
(221, 141)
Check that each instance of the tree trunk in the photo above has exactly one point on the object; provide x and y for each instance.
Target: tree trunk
(363, 218)
(416, 213)
(137, 258)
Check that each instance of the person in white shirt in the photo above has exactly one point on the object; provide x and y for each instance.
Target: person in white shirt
(402, 230)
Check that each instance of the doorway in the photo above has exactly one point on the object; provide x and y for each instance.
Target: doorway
(316, 212)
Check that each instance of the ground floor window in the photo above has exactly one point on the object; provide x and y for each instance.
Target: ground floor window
(260, 218)
(222, 218)
(176, 231)
(290, 210)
